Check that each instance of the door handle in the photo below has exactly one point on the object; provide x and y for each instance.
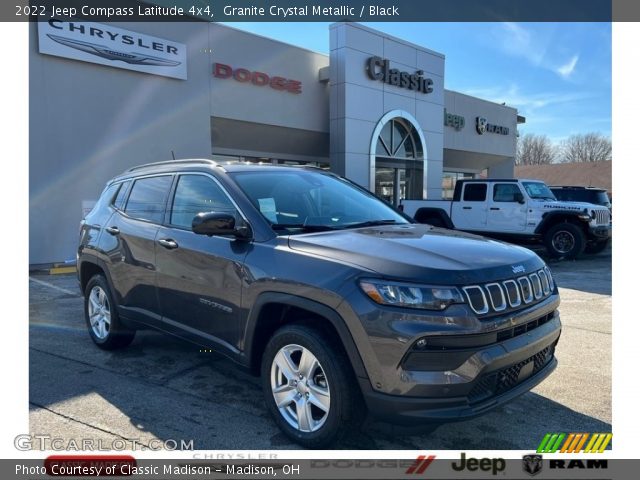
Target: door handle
(494, 208)
(466, 208)
(113, 230)
(168, 243)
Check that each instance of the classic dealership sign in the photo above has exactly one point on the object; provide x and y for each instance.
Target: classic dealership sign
(114, 47)
(259, 79)
(379, 69)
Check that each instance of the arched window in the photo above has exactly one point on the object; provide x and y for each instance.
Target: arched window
(398, 139)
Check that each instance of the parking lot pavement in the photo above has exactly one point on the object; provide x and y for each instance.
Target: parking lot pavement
(161, 388)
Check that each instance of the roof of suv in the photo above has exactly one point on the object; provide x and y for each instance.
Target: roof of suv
(187, 163)
(578, 187)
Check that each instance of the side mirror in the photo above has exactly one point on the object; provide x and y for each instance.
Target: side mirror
(518, 197)
(213, 223)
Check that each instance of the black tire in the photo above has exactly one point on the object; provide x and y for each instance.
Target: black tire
(114, 334)
(565, 240)
(596, 247)
(345, 400)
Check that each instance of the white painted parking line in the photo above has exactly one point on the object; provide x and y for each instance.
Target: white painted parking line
(54, 287)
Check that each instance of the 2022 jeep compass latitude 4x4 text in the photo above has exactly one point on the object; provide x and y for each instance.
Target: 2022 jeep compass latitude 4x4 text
(340, 303)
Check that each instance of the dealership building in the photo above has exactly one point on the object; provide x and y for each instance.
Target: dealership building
(105, 97)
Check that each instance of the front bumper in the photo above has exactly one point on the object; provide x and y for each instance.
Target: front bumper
(490, 377)
(600, 232)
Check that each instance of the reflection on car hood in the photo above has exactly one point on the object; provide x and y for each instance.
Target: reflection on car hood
(420, 253)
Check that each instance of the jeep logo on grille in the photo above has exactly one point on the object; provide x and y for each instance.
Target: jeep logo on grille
(517, 269)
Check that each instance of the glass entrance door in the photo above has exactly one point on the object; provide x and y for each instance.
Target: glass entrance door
(395, 183)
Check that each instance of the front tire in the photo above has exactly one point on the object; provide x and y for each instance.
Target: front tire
(101, 315)
(308, 385)
(565, 240)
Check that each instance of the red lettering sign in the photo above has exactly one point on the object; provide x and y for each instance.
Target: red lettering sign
(221, 70)
(259, 79)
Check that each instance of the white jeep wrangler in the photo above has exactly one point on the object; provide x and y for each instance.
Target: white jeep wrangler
(520, 211)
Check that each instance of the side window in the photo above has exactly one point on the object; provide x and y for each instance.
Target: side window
(147, 198)
(505, 192)
(105, 198)
(475, 192)
(118, 202)
(197, 194)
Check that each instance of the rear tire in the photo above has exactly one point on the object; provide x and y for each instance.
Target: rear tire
(596, 247)
(308, 372)
(101, 315)
(565, 240)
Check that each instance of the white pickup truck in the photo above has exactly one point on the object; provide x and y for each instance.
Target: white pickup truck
(523, 211)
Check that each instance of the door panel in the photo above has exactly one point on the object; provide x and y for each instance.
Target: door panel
(199, 277)
(131, 236)
(505, 213)
(133, 267)
(200, 283)
(470, 213)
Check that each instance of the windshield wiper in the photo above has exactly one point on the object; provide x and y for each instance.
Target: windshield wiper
(370, 223)
(306, 227)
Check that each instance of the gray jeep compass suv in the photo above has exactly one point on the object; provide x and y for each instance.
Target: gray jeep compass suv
(340, 303)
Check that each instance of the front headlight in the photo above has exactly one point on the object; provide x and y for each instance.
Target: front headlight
(410, 295)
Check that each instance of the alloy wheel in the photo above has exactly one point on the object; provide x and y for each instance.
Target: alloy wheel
(563, 241)
(300, 388)
(99, 312)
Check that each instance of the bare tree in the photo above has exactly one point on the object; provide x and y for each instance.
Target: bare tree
(535, 150)
(588, 147)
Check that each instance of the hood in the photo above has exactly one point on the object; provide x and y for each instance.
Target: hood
(577, 206)
(421, 253)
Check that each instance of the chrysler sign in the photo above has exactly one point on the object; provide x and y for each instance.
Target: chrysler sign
(114, 47)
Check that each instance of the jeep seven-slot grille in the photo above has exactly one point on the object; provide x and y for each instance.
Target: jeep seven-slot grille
(503, 380)
(603, 217)
(509, 294)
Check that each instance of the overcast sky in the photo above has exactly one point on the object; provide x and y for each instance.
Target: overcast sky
(558, 75)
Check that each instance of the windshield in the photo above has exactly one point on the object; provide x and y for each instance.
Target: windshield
(297, 201)
(538, 190)
(598, 197)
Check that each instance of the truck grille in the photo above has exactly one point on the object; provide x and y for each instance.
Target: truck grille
(603, 217)
(509, 294)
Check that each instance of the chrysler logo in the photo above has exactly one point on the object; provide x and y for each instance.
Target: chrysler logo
(111, 54)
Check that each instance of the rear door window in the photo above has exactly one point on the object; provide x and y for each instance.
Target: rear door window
(121, 197)
(148, 197)
(475, 192)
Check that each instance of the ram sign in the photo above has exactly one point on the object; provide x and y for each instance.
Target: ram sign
(111, 46)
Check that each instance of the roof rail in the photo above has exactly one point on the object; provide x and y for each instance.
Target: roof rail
(173, 162)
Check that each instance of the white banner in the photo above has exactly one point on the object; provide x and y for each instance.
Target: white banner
(114, 47)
